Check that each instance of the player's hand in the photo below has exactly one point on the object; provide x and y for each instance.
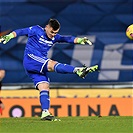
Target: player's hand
(84, 40)
(6, 38)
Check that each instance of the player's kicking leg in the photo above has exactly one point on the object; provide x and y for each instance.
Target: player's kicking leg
(82, 72)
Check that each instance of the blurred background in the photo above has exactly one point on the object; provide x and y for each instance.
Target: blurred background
(104, 22)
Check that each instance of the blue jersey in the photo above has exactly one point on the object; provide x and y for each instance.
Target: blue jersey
(36, 50)
(38, 43)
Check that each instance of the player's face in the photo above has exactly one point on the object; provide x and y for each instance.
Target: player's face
(50, 32)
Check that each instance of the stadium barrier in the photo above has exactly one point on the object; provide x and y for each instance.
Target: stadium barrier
(63, 107)
(71, 93)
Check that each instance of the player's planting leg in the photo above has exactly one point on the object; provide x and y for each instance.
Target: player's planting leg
(49, 117)
(45, 103)
(44, 100)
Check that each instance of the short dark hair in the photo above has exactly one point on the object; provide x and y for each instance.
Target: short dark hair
(54, 23)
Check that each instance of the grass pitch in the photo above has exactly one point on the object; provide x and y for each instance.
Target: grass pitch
(91, 124)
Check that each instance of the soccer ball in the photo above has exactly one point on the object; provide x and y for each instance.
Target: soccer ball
(129, 32)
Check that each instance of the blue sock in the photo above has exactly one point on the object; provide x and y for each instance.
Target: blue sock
(64, 68)
(44, 99)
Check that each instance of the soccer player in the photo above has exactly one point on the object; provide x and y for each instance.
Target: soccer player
(37, 64)
(2, 75)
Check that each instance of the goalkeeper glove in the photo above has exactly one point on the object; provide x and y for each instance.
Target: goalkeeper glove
(84, 41)
(6, 38)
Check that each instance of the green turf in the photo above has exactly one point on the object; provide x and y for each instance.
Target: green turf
(92, 124)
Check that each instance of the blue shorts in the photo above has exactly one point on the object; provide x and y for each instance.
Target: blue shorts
(36, 68)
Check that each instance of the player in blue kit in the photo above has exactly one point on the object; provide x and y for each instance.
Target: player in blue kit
(37, 64)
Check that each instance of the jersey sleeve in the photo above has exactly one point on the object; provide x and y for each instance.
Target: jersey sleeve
(68, 39)
(30, 31)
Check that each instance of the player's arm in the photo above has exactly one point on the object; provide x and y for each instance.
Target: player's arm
(83, 41)
(18, 32)
(7, 38)
(72, 39)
